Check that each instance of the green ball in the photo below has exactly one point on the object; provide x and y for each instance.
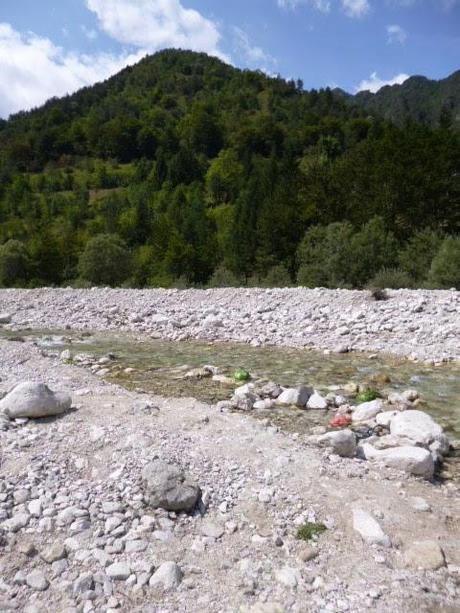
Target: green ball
(241, 375)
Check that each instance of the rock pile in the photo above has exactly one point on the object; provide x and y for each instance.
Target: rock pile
(390, 431)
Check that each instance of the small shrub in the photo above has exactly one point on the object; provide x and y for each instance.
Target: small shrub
(222, 277)
(378, 294)
(310, 530)
(277, 276)
(392, 278)
(368, 396)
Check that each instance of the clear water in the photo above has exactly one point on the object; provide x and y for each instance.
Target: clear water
(160, 365)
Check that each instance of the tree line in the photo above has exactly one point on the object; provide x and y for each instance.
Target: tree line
(182, 171)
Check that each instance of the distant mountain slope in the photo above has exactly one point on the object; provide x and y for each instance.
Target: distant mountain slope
(433, 103)
(183, 169)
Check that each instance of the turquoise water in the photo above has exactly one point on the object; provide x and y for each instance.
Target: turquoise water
(159, 367)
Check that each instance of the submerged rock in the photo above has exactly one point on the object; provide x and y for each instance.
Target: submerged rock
(166, 487)
(34, 400)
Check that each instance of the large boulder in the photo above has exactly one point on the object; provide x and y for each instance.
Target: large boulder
(166, 487)
(298, 396)
(34, 400)
(341, 442)
(413, 460)
(419, 427)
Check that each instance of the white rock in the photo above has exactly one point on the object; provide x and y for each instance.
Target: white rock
(367, 410)
(413, 460)
(419, 427)
(37, 581)
(169, 576)
(119, 571)
(419, 504)
(316, 401)
(369, 529)
(384, 419)
(342, 442)
(264, 405)
(5, 318)
(287, 576)
(34, 400)
(297, 396)
(243, 390)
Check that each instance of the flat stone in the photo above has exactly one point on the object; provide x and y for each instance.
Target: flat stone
(53, 553)
(419, 504)
(413, 460)
(287, 576)
(16, 522)
(369, 529)
(424, 555)
(119, 571)
(37, 581)
(212, 530)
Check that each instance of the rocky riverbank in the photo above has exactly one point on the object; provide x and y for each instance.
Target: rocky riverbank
(418, 324)
(132, 503)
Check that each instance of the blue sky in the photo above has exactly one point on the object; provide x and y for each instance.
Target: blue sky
(49, 48)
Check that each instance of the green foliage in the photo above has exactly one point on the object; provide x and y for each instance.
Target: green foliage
(15, 266)
(310, 530)
(418, 253)
(214, 175)
(105, 260)
(368, 396)
(445, 268)
(391, 278)
(222, 277)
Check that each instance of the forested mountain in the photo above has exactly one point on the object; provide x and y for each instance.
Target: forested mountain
(433, 103)
(184, 170)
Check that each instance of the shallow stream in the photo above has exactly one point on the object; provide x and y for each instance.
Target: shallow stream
(159, 367)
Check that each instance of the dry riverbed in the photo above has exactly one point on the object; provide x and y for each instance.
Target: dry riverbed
(418, 324)
(79, 534)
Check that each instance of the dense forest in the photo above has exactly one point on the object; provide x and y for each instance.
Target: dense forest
(184, 171)
(433, 103)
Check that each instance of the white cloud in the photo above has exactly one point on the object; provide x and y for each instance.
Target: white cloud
(321, 5)
(88, 32)
(396, 35)
(356, 8)
(156, 24)
(252, 54)
(33, 69)
(374, 82)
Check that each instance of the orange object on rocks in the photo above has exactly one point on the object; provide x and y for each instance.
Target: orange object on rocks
(340, 421)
